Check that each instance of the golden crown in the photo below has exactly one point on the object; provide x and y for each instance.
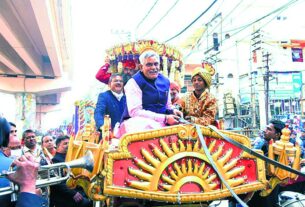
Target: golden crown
(144, 45)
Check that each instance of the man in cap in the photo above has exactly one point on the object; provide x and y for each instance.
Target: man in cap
(174, 92)
(200, 106)
(127, 68)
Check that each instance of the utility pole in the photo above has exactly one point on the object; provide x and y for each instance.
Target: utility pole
(256, 48)
(266, 83)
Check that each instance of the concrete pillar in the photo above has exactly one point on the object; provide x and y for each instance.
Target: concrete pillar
(26, 111)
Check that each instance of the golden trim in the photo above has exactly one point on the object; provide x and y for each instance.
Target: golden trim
(183, 198)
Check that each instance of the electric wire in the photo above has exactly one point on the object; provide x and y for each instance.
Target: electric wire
(199, 41)
(205, 11)
(230, 13)
(166, 13)
(153, 6)
(281, 8)
(277, 11)
(219, 7)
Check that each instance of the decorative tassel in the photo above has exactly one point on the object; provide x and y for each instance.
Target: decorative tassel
(165, 71)
(172, 71)
(182, 74)
(120, 67)
(177, 77)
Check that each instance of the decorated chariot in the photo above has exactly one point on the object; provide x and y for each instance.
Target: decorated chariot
(180, 164)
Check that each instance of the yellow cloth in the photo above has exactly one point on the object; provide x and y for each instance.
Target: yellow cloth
(204, 74)
(202, 110)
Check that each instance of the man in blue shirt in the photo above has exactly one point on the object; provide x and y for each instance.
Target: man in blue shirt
(110, 103)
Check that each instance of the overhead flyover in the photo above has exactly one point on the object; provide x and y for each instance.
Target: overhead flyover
(35, 54)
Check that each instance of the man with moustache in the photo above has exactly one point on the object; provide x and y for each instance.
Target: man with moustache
(129, 69)
(30, 145)
(110, 103)
(31, 148)
(273, 131)
(148, 103)
(61, 195)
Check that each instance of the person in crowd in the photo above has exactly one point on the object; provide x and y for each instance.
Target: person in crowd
(200, 106)
(5, 161)
(25, 175)
(302, 139)
(31, 147)
(293, 137)
(103, 74)
(273, 131)
(257, 141)
(48, 147)
(13, 149)
(13, 132)
(148, 104)
(295, 140)
(30, 143)
(127, 68)
(174, 92)
(110, 103)
(61, 195)
(61, 148)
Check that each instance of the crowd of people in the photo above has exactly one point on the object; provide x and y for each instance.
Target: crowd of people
(24, 157)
